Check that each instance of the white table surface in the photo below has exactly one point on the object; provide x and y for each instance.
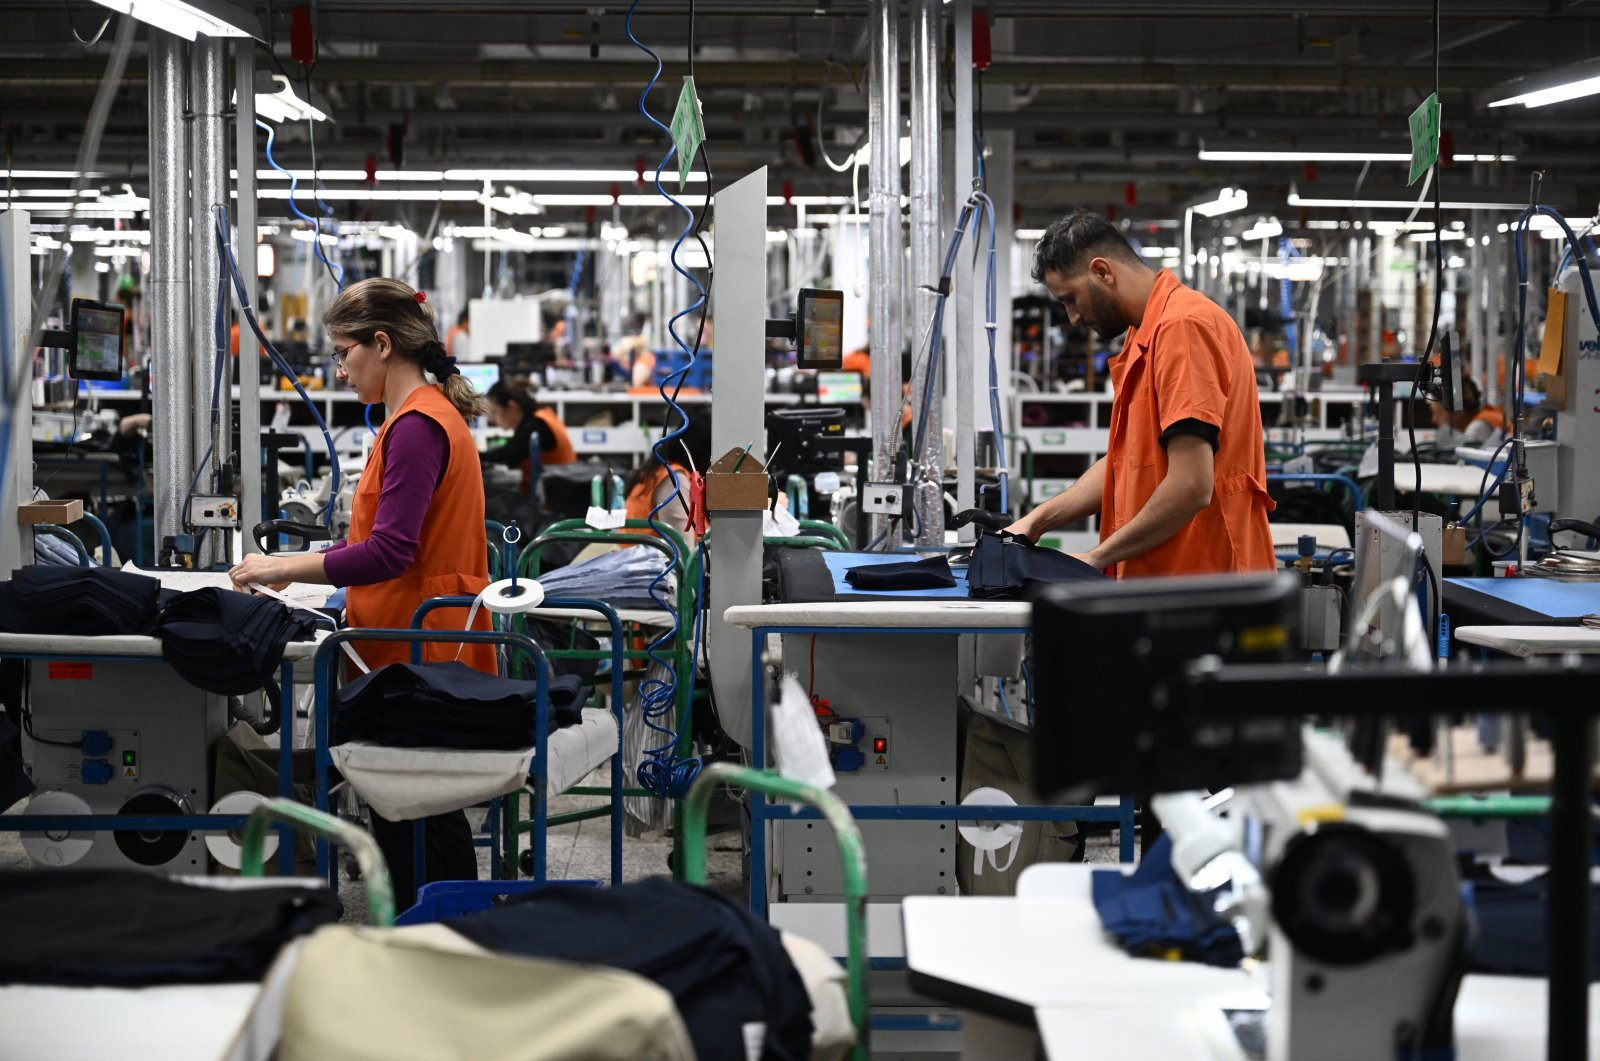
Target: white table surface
(1460, 480)
(931, 615)
(1092, 1002)
(1532, 640)
(136, 645)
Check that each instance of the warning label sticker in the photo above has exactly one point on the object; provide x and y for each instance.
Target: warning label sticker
(70, 672)
(130, 773)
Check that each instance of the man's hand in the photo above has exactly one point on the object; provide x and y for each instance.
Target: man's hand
(134, 422)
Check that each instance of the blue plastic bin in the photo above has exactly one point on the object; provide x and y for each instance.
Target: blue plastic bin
(674, 360)
(452, 898)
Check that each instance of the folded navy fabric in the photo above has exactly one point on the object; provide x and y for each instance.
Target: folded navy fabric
(123, 928)
(1004, 564)
(930, 573)
(87, 601)
(450, 705)
(228, 643)
(1151, 913)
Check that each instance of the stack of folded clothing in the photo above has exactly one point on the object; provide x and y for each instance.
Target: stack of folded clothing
(228, 643)
(622, 579)
(123, 928)
(1153, 915)
(450, 705)
(88, 601)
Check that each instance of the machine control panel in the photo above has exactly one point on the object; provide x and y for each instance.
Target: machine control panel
(86, 757)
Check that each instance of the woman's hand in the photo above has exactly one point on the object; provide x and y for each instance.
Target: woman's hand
(259, 568)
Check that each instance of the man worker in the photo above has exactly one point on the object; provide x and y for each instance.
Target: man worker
(1182, 487)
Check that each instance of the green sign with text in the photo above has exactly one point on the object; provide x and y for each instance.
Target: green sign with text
(1424, 137)
(688, 131)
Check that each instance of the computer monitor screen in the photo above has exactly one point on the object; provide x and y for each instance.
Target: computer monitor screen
(482, 377)
(819, 329)
(839, 388)
(96, 340)
(1449, 373)
(1109, 672)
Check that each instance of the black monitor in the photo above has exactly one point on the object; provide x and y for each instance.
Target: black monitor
(806, 439)
(97, 340)
(1109, 664)
(819, 329)
(1449, 373)
(527, 359)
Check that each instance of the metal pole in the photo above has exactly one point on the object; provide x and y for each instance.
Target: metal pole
(209, 187)
(884, 248)
(171, 389)
(244, 242)
(16, 486)
(959, 382)
(926, 40)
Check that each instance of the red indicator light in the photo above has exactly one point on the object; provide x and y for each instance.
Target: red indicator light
(880, 745)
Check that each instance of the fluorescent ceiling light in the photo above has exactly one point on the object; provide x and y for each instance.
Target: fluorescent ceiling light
(189, 18)
(48, 193)
(108, 235)
(1266, 228)
(387, 195)
(1295, 199)
(557, 176)
(1208, 155)
(1555, 86)
(1030, 233)
(432, 176)
(45, 174)
(1429, 237)
(1230, 200)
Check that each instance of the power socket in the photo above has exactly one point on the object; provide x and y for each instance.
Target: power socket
(886, 499)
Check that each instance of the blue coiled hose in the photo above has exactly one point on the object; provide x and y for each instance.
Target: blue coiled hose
(316, 225)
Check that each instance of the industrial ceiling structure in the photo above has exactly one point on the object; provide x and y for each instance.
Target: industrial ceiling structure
(1139, 106)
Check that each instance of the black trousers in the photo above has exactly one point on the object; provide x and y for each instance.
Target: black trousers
(449, 854)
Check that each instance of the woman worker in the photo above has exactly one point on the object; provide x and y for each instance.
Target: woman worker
(416, 523)
(511, 407)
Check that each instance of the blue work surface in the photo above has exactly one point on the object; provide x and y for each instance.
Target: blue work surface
(839, 563)
(1518, 600)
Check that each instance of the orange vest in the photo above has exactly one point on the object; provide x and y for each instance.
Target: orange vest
(1491, 415)
(639, 503)
(1187, 360)
(563, 453)
(452, 554)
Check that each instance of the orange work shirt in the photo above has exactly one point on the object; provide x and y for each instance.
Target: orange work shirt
(1187, 361)
(452, 554)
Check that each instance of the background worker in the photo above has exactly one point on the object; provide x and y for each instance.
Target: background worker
(1182, 487)
(458, 343)
(1474, 424)
(514, 409)
(416, 526)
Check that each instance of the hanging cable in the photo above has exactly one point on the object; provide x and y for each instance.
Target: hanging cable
(663, 773)
(231, 264)
(294, 184)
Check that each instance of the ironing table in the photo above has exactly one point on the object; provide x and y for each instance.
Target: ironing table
(906, 675)
(1528, 601)
(1039, 969)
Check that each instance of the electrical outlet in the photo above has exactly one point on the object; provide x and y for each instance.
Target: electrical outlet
(885, 499)
(213, 511)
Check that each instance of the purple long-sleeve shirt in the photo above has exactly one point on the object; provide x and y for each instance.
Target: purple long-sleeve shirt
(415, 453)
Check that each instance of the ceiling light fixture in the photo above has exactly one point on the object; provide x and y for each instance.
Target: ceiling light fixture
(1295, 199)
(387, 195)
(1554, 86)
(283, 105)
(552, 176)
(1265, 228)
(189, 18)
(1230, 200)
(1221, 155)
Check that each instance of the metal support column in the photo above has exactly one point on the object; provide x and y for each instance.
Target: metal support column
(17, 484)
(208, 137)
(885, 249)
(244, 242)
(956, 382)
(738, 419)
(171, 387)
(926, 227)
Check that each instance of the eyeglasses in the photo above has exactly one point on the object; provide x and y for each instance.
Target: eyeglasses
(341, 352)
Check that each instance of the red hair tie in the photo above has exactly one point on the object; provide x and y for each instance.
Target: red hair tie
(422, 296)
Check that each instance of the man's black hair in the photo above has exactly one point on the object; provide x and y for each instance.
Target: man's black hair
(1070, 242)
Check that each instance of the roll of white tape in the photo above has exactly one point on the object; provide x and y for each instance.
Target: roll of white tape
(988, 837)
(228, 848)
(57, 848)
(512, 598)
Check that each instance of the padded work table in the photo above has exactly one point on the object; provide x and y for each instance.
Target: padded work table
(1041, 968)
(1518, 601)
(1532, 640)
(933, 627)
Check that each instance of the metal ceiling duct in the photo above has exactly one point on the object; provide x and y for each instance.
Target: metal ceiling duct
(928, 497)
(885, 249)
(208, 140)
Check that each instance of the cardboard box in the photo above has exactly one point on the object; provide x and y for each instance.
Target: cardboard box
(57, 512)
(744, 490)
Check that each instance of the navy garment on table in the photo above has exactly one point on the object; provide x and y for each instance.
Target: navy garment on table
(1152, 914)
(723, 966)
(1003, 565)
(1511, 933)
(930, 573)
(228, 643)
(87, 601)
(450, 705)
(122, 928)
